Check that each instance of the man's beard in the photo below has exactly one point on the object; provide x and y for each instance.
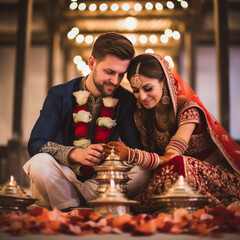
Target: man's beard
(101, 88)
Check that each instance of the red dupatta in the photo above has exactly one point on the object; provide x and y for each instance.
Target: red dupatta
(178, 87)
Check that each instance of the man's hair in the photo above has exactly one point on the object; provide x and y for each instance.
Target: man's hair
(113, 44)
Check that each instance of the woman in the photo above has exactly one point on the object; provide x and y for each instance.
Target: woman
(179, 136)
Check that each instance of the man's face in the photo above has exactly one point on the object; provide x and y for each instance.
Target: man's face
(108, 73)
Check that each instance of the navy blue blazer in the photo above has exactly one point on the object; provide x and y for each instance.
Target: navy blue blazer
(55, 121)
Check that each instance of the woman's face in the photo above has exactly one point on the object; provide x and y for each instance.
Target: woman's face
(149, 93)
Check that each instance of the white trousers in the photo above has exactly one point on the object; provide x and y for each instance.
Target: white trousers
(56, 185)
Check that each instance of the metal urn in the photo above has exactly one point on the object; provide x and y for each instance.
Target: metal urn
(181, 195)
(112, 168)
(13, 197)
(112, 202)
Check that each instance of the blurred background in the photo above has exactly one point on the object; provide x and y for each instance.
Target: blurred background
(48, 42)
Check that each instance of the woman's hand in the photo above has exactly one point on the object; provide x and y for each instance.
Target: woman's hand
(120, 149)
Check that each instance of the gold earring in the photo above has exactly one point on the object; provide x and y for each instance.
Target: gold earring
(165, 100)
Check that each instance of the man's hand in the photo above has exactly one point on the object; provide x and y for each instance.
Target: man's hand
(90, 156)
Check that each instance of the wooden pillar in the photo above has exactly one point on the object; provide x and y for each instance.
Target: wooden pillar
(54, 42)
(53, 49)
(190, 46)
(23, 43)
(67, 64)
(222, 57)
(16, 153)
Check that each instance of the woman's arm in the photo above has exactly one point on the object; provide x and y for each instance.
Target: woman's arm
(179, 142)
(177, 146)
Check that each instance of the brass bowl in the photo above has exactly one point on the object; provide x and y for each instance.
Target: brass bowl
(113, 202)
(13, 197)
(8, 203)
(169, 205)
(181, 195)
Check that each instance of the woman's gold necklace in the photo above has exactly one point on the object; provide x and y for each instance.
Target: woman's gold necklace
(161, 118)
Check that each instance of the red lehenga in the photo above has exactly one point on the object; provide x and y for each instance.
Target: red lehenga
(212, 162)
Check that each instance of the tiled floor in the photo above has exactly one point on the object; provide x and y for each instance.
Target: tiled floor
(118, 237)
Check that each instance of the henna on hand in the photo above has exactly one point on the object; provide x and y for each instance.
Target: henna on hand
(120, 149)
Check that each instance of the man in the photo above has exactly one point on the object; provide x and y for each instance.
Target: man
(54, 158)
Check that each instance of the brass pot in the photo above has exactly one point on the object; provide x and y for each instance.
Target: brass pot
(112, 168)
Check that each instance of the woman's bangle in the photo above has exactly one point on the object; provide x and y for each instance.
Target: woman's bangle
(179, 144)
(144, 159)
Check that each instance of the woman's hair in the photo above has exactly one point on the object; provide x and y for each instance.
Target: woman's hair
(149, 67)
(113, 44)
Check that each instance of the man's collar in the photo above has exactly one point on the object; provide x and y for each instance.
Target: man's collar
(83, 84)
(83, 87)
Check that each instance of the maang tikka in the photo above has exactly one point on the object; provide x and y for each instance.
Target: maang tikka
(138, 82)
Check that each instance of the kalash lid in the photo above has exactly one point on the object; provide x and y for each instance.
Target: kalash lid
(12, 189)
(113, 163)
(13, 197)
(181, 191)
(112, 195)
(113, 156)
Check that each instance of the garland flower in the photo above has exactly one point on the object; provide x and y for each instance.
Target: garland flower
(81, 118)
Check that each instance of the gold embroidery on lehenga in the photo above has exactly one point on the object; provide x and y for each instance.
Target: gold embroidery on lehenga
(199, 143)
(190, 115)
(225, 138)
(162, 139)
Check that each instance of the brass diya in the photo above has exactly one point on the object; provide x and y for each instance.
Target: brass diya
(112, 202)
(112, 168)
(181, 195)
(13, 197)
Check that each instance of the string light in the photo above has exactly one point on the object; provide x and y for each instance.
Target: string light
(86, 70)
(130, 23)
(82, 6)
(73, 6)
(89, 39)
(92, 7)
(72, 34)
(81, 65)
(168, 32)
(153, 39)
(149, 50)
(159, 6)
(103, 7)
(149, 6)
(137, 7)
(176, 35)
(184, 4)
(143, 39)
(79, 38)
(164, 38)
(75, 30)
(125, 7)
(170, 5)
(77, 59)
(114, 7)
